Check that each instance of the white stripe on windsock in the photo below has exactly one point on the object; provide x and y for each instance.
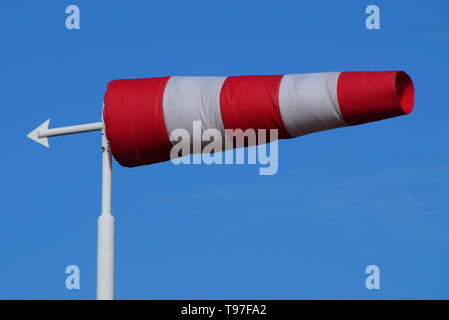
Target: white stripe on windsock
(188, 99)
(308, 103)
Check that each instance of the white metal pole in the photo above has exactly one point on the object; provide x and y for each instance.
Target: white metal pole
(106, 230)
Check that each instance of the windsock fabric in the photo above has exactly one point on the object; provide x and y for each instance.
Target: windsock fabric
(140, 114)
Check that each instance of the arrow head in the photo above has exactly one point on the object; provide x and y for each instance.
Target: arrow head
(34, 135)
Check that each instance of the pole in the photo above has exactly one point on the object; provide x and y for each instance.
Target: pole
(106, 229)
(106, 223)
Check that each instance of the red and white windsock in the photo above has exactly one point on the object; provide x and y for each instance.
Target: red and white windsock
(140, 114)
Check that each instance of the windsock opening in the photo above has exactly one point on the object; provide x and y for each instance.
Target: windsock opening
(405, 91)
(371, 96)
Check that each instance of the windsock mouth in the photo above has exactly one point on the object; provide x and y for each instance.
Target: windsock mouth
(366, 96)
(405, 91)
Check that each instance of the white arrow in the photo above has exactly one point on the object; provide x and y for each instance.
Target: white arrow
(41, 133)
(106, 224)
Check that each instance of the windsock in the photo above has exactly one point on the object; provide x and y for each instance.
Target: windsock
(140, 114)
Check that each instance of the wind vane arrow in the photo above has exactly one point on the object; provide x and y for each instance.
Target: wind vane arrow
(41, 133)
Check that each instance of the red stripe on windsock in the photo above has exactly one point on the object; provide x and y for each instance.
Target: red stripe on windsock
(371, 96)
(252, 102)
(134, 118)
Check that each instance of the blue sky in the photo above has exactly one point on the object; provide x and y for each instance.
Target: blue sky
(341, 200)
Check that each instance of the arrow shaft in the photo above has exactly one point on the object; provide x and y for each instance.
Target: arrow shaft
(44, 133)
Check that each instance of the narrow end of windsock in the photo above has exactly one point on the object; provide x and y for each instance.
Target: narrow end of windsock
(370, 96)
